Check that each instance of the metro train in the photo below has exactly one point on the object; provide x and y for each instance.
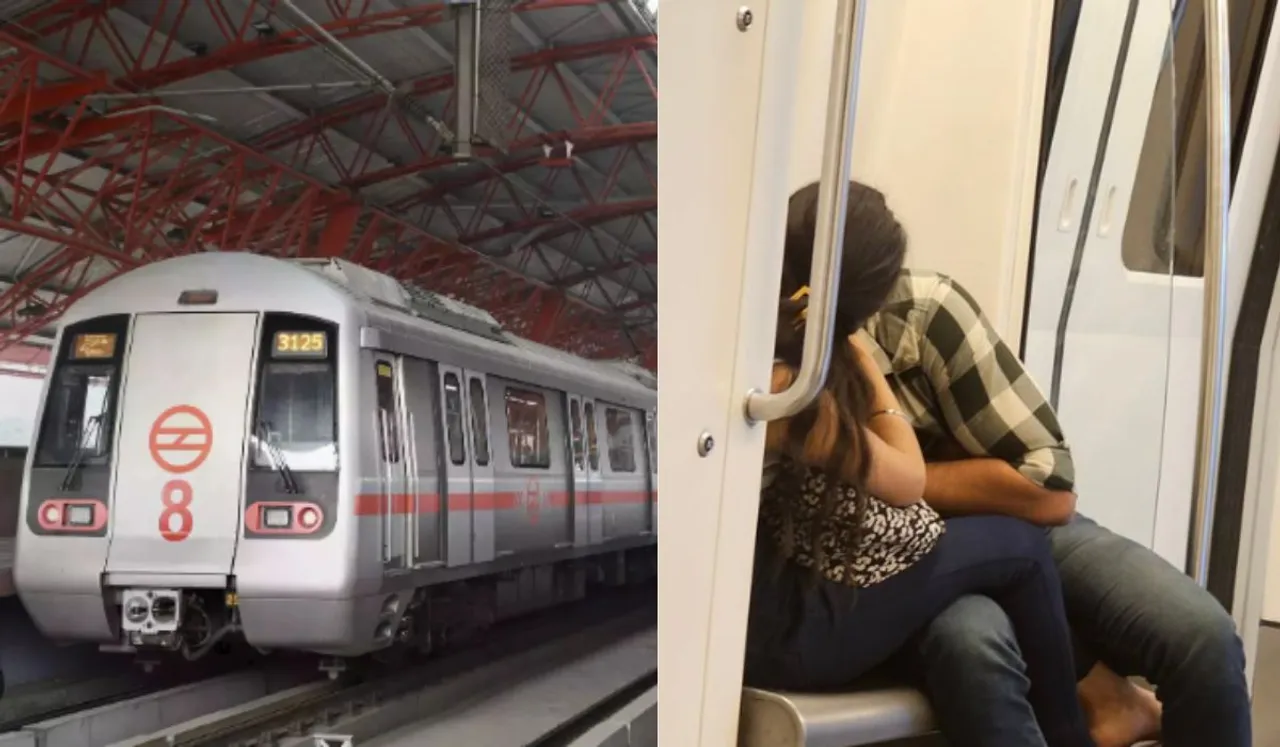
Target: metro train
(308, 455)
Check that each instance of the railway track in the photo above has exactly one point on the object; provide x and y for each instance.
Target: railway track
(26, 706)
(475, 688)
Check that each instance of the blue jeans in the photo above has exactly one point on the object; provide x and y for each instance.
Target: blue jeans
(829, 636)
(1127, 607)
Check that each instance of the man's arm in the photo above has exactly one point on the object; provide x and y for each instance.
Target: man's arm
(1017, 460)
(982, 485)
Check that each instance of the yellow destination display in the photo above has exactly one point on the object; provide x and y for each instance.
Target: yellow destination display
(93, 346)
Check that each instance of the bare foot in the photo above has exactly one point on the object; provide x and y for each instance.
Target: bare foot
(1119, 712)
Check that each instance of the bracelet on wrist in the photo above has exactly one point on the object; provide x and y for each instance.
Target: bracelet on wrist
(891, 411)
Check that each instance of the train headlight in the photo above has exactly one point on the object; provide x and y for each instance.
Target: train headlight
(277, 517)
(308, 518)
(136, 609)
(80, 516)
(53, 514)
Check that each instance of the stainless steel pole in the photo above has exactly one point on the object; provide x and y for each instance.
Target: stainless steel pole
(1214, 336)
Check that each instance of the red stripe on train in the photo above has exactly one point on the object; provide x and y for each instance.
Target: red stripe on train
(375, 504)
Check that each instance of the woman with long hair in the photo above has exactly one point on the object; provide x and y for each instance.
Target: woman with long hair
(850, 562)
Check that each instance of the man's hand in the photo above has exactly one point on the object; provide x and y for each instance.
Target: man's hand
(982, 485)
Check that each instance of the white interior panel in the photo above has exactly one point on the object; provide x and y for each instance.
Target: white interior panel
(949, 135)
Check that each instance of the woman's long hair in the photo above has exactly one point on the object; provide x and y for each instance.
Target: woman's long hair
(874, 247)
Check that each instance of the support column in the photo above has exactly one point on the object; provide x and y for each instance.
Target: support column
(466, 75)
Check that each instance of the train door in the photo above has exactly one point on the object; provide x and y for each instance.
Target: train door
(1137, 251)
(595, 475)
(476, 397)
(651, 451)
(424, 507)
(388, 422)
(1127, 249)
(177, 503)
(461, 503)
(624, 502)
(581, 478)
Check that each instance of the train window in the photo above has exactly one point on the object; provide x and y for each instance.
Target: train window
(76, 418)
(388, 425)
(1164, 229)
(621, 440)
(296, 424)
(593, 448)
(479, 422)
(575, 428)
(528, 433)
(453, 418)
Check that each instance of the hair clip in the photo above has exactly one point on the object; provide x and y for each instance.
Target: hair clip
(804, 313)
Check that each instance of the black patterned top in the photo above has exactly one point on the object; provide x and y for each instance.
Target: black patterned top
(893, 538)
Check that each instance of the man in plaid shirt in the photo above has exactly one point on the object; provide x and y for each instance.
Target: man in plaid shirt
(994, 445)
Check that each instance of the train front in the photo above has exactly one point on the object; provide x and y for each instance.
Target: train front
(155, 427)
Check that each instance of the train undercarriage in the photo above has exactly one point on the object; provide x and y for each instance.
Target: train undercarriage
(159, 625)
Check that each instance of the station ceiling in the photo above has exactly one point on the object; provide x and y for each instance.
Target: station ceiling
(134, 130)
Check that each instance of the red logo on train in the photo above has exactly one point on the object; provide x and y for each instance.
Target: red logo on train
(532, 500)
(180, 440)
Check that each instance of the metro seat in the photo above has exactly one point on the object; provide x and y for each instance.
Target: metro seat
(841, 719)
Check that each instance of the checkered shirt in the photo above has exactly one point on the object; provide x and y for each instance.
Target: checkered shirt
(957, 380)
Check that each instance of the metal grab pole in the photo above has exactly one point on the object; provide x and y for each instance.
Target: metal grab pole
(828, 242)
(1213, 344)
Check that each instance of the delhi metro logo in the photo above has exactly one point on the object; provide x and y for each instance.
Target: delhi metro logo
(180, 440)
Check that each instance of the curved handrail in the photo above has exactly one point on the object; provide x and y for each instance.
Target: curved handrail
(833, 196)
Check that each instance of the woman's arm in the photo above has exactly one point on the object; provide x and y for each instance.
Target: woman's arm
(896, 475)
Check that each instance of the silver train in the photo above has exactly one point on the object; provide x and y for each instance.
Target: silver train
(308, 455)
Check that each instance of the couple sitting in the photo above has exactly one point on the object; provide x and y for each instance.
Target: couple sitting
(1017, 633)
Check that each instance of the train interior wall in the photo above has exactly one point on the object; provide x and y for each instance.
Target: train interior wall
(980, 77)
(1136, 479)
(977, 76)
(923, 63)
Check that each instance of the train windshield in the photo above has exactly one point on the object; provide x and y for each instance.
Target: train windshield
(78, 424)
(76, 418)
(296, 417)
